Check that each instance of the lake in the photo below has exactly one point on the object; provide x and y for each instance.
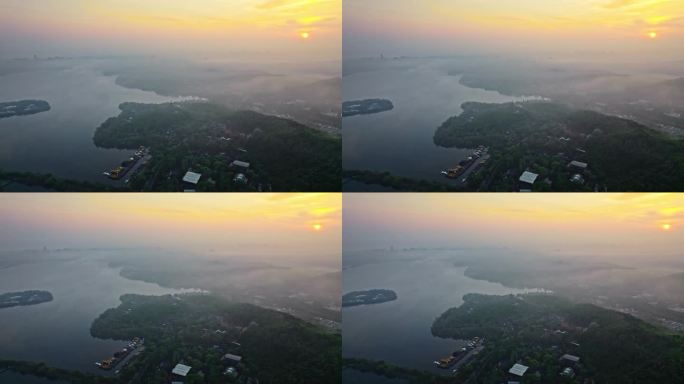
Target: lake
(60, 141)
(352, 376)
(58, 332)
(399, 331)
(400, 140)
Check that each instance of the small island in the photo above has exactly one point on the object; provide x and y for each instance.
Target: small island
(365, 107)
(371, 296)
(13, 299)
(23, 107)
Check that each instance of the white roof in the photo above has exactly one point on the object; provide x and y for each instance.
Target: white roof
(181, 370)
(578, 164)
(570, 357)
(518, 369)
(192, 177)
(528, 177)
(239, 163)
(232, 357)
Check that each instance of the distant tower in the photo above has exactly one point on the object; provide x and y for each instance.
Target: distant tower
(382, 56)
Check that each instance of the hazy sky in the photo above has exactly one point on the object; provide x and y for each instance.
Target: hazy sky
(426, 27)
(303, 29)
(646, 224)
(307, 224)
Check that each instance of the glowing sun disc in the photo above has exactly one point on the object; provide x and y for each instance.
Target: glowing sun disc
(317, 227)
(666, 227)
(304, 35)
(652, 35)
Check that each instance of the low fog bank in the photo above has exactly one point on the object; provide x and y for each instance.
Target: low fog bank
(308, 92)
(647, 90)
(307, 286)
(646, 285)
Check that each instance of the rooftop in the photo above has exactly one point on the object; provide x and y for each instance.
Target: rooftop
(578, 164)
(181, 370)
(192, 177)
(230, 356)
(518, 369)
(572, 358)
(528, 177)
(238, 163)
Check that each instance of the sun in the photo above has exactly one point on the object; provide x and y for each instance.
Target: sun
(666, 227)
(305, 35)
(652, 35)
(317, 227)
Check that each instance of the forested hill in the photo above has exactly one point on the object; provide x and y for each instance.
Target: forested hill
(621, 154)
(284, 155)
(199, 329)
(537, 329)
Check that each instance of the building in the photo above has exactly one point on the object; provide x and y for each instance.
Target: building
(577, 179)
(569, 359)
(231, 372)
(527, 179)
(518, 370)
(190, 181)
(192, 177)
(568, 372)
(240, 164)
(179, 372)
(578, 165)
(229, 357)
(240, 178)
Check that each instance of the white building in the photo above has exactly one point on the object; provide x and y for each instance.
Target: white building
(240, 164)
(578, 165)
(192, 177)
(518, 370)
(181, 370)
(528, 177)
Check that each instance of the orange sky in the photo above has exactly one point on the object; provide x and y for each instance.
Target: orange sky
(495, 26)
(622, 222)
(173, 26)
(285, 222)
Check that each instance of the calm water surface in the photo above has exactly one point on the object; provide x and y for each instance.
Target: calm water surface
(399, 331)
(59, 141)
(58, 332)
(400, 141)
(350, 376)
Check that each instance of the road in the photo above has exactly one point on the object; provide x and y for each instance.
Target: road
(467, 357)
